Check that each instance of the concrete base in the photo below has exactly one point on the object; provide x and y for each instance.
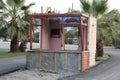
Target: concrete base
(54, 61)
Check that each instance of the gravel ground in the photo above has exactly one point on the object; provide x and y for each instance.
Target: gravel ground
(32, 75)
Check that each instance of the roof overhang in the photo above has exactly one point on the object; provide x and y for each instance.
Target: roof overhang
(56, 15)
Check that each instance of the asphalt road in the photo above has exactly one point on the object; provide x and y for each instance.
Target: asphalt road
(107, 70)
(12, 64)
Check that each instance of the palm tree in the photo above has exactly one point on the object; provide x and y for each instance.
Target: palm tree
(23, 44)
(12, 19)
(4, 36)
(109, 25)
(95, 8)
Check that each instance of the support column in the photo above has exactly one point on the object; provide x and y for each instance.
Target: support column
(63, 38)
(41, 33)
(86, 38)
(81, 33)
(31, 27)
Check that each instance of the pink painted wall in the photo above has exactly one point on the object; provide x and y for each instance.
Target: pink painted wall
(49, 42)
(55, 43)
(45, 36)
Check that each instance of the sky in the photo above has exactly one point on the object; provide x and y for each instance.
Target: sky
(63, 5)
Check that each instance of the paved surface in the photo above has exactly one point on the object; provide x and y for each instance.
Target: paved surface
(5, 46)
(107, 70)
(12, 64)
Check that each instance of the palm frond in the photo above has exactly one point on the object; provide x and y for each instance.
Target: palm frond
(30, 5)
(15, 18)
(21, 35)
(20, 22)
(15, 2)
(11, 31)
(3, 24)
(85, 6)
(99, 7)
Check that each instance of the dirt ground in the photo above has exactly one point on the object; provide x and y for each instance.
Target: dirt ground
(30, 75)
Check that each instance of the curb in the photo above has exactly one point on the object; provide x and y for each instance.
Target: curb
(103, 60)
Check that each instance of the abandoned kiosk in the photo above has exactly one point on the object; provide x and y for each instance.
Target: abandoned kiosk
(52, 53)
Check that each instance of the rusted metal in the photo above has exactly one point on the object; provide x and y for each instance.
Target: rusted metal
(53, 61)
(28, 60)
(65, 61)
(41, 59)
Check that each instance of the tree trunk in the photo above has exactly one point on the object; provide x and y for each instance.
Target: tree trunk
(99, 48)
(5, 39)
(14, 46)
(23, 46)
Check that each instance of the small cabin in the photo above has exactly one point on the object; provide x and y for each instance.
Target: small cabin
(52, 53)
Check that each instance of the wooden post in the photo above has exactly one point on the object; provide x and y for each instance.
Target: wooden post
(81, 33)
(41, 33)
(87, 37)
(63, 37)
(31, 33)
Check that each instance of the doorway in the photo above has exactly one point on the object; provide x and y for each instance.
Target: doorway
(71, 38)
